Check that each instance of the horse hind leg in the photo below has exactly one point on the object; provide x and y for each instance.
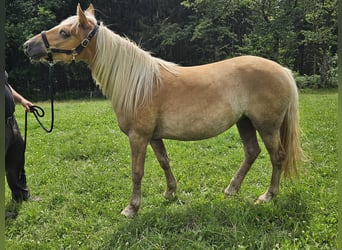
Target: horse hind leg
(252, 150)
(273, 144)
(160, 152)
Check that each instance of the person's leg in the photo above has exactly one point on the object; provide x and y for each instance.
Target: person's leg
(15, 161)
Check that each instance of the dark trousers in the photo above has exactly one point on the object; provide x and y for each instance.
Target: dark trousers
(15, 161)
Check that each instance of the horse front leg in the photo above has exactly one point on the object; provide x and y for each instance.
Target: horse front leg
(160, 152)
(138, 153)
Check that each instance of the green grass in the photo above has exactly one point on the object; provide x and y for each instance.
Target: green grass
(82, 173)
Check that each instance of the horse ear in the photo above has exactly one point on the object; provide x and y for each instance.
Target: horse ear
(79, 9)
(91, 10)
(82, 19)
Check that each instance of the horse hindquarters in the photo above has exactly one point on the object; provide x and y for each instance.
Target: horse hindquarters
(283, 144)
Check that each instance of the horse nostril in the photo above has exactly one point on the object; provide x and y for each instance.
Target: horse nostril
(26, 47)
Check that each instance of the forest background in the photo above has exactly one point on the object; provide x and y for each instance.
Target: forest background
(299, 34)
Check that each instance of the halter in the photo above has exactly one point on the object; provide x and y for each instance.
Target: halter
(74, 52)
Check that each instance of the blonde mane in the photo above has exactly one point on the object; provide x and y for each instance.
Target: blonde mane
(125, 73)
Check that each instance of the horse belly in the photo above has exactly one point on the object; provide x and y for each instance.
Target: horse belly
(187, 125)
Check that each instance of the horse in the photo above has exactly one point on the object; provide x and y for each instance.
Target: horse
(154, 99)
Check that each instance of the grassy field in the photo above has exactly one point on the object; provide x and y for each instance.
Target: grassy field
(82, 173)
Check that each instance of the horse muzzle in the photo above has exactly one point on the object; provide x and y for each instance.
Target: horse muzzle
(35, 50)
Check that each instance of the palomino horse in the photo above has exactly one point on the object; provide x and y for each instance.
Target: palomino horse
(154, 99)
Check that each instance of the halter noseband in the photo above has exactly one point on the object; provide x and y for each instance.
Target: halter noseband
(74, 52)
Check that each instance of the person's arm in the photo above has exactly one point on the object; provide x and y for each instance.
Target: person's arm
(20, 99)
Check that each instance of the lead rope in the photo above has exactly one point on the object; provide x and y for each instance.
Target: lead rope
(39, 112)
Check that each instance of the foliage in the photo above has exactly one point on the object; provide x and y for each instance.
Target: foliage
(301, 35)
(305, 81)
(82, 173)
(217, 27)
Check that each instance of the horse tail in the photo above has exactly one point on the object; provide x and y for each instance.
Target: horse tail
(290, 134)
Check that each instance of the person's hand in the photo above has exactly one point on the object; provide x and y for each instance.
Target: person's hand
(20, 99)
(26, 104)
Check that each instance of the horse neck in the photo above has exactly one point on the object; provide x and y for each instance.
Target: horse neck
(125, 73)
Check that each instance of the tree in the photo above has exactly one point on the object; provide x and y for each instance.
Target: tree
(320, 35)
(218, 27)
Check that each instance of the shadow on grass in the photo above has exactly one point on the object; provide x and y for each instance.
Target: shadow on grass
(11, 211)
(222, 224)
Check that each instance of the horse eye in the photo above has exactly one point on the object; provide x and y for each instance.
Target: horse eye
(64, 34)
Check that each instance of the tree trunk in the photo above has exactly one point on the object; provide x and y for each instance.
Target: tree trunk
(324, 68)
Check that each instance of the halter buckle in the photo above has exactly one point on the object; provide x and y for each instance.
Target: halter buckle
(85, 42)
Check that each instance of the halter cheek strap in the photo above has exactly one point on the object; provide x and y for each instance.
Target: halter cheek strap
(47, 46)
(74, 52)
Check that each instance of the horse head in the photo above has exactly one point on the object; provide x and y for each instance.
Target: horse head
(69, 41)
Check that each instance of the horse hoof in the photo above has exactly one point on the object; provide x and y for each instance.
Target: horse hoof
(229, 196)
(267, 197)
(229, 193)
(169, 195)
(258, 202)
(129, 212)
